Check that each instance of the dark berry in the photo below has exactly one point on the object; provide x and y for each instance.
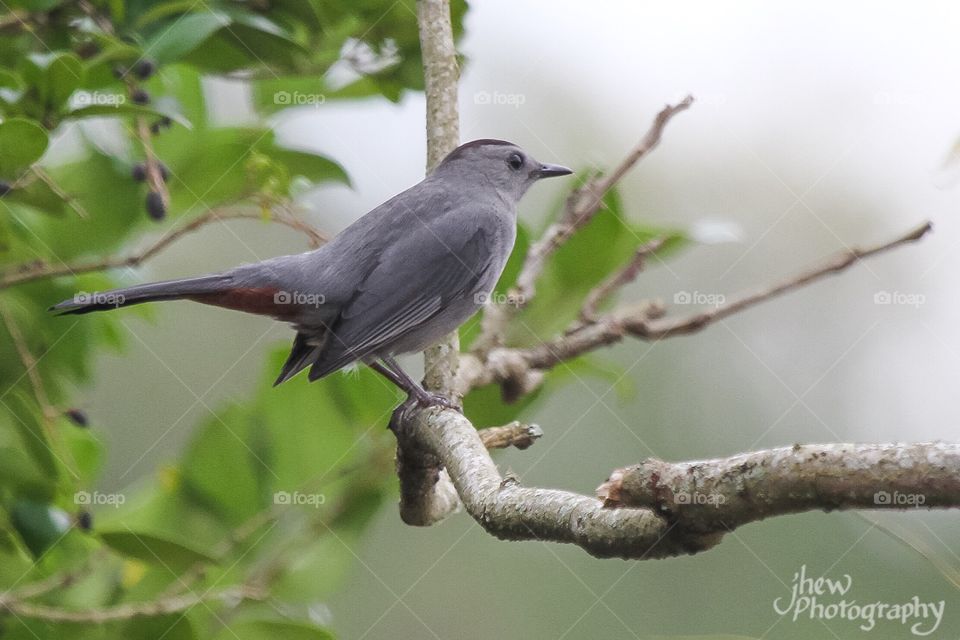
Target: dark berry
(119, 72)
(87, 49)
(139, 172)
(164, 171)
(77, 417)
(139, 96)
(145, 69)
(85, 520)
(155, 207)
(5, 188)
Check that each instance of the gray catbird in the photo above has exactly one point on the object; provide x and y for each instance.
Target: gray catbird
(395, 281)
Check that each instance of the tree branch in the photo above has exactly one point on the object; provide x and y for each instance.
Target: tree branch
(40, 270)
(666, 509)
(440, 75)
(647, 321)
(426, 494)
(714, 495)
(56, 581)
(126, 611)
(512, 512)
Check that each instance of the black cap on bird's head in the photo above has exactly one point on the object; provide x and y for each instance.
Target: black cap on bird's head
(507, 166)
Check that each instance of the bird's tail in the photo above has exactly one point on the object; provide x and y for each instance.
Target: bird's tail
(84, 302)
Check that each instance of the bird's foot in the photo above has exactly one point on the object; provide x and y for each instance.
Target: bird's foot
(419, 400)
(423, 399)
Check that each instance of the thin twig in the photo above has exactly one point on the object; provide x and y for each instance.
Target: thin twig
(14, 18)
(71, 201)
(155, 181)
(39, 270)
(174, 604)
(60, 580)
(29, 362)
(599, 294)
(516, 434)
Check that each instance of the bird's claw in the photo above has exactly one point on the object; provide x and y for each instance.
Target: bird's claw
(424, 399)
(420, 400)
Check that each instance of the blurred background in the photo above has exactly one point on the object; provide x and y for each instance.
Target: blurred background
(816, 127)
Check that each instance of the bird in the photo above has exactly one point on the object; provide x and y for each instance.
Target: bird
(393, 282)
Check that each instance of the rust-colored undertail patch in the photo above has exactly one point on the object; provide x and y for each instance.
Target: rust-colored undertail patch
(258, 300)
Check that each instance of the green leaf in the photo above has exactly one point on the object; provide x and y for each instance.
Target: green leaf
(22, 475)
(10, 80)
(223, 40)
(64, 74)
(219, 463)
(163, 10)
(22, 142)
(39, 525)
(185, 34)
(152, 548)
(52, 78)
(315, 167)
(84, 450)
(26, 422)
(127, 109)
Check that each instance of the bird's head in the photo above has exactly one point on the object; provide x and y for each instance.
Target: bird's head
(497, 163)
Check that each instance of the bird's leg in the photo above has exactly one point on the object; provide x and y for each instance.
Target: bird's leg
(395, 374)
(399, 414)
(389, 375)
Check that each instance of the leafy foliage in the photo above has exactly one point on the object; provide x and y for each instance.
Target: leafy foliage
(265, 496)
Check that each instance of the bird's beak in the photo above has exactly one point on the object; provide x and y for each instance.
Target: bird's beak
(550, 170)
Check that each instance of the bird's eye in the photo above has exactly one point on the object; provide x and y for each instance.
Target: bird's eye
(515, 161)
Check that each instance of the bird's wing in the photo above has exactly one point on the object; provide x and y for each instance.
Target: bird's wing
(413, 281)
